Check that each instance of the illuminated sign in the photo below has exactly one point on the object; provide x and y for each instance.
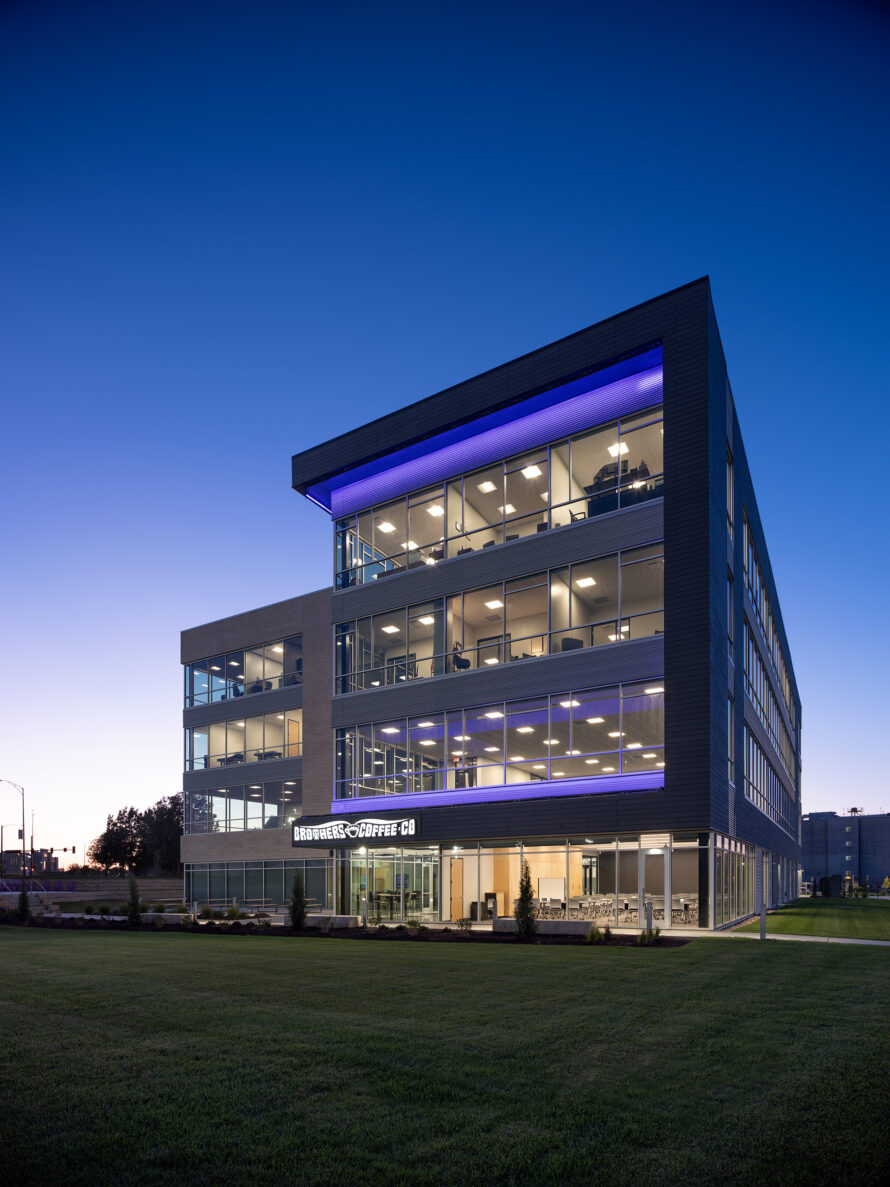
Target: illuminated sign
(368, 828)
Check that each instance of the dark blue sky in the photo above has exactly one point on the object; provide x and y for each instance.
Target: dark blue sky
(231, 230)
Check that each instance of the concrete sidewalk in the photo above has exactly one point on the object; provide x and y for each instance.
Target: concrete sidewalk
(741, 935)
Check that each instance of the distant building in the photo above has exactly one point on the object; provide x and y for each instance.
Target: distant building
(841, 845)
(43, 861)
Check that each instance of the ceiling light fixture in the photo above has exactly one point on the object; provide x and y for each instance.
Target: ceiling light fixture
(525, 729)
(585, 582)
(531, 472)
(595, 720)
(386, 527)
(615, 450)
(486, 487)
(494, 604)
(435, 511)
(426, 620)
(390, 630)
(651, 691)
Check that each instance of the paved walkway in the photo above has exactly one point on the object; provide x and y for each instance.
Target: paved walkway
(747, 935)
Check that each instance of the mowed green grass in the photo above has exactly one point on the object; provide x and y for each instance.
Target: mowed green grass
(847, 918)
(181, 1059)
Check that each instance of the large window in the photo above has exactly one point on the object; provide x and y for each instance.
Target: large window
(566, 736)
(765, 789)
(756, 587)
(252, 739)
(612, 466)
(272, 804)
(760, 692)
(588, 604)
(262, 668)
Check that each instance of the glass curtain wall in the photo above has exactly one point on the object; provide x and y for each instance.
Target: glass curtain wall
(273, 804)
(612, 466)
(250, 740)
(262, 668)
(587, 604)
(564, 736)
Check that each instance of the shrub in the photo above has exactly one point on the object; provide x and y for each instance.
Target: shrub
(297, 908)
(526, 924)
(179, 909)
(464, 925)
(134, 906)
(205, 913)
(159, 908)
(264, 926)
(399, 927)
(217, 914)
(104, 909)
(413, 924)
(595, 936)
(648, 937)
(326, 925)
(232, 912)
(24, 908)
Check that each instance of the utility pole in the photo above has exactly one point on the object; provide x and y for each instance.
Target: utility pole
(21, 792)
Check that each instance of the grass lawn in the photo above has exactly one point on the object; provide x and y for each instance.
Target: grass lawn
(847, 918)
(180, 1059)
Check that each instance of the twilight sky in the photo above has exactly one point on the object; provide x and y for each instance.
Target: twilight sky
(201, 203)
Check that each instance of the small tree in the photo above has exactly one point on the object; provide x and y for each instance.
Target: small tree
(24, 903)
(526, 925)
(133, 915)
(297, 904)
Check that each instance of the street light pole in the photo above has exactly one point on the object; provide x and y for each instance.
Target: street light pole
(21, 792)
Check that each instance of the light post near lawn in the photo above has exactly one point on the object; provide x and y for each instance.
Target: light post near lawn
(21, 792)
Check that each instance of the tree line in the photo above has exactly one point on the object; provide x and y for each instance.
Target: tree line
(141, 842)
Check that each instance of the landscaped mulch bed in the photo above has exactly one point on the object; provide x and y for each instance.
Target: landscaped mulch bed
(386, 933)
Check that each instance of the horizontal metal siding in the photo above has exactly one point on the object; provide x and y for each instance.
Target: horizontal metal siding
(249, 706)
(254, 772)
(601, 536)
(637, 659)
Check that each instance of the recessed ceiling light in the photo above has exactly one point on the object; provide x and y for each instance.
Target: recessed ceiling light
(516, 758)
(375, 683)
(557, 774)
(279, 649)
(544, 495)
(429, 560)
(486, 487)
(525, 729)
(435, 511)
(551, 741)
(573, 752)
(494, 604)
(461, 737)
(389, 729)
(592, 762)
(595, 720)
(659, 764)
(214, 668)
(426, 620)
(652, 755)
(608, 768)
(390, 630)
(491, 661)
(585, 582)
(290, 783)
(615, 450)
(457, 753)
(255, 787)
(240, 725)
(427, 742)
(424, 725)
(409, 544)
(616, 733)
(660, 688)
(508, 509)
(569, 704)
(531, 472)
(494, 715)
(281, 717)
(539, 766)
(492, 749)
(386, 526)
(634, 746)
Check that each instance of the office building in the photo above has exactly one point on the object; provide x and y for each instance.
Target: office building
(552, 635)
(855, 847)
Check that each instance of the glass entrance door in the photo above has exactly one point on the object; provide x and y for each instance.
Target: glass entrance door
(653, 867)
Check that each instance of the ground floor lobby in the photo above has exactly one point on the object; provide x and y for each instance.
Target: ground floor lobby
(687, 880)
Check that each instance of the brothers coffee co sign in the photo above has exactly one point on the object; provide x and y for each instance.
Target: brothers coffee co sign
(347, 832)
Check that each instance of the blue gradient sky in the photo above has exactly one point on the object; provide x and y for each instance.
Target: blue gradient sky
(223, 222)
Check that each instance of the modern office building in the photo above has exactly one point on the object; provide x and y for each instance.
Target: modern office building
(552, 635)
(853, 847)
